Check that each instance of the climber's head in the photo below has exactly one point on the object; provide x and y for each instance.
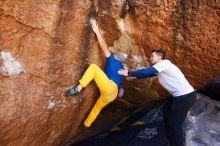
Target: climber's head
(121, 56)
(157, 56)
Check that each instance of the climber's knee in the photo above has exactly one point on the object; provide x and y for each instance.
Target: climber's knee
(93, 65)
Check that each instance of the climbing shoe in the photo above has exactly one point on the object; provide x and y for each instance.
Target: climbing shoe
(72, 92)
(82, 126)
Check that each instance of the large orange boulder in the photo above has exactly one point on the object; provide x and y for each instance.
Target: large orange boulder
(45, 47)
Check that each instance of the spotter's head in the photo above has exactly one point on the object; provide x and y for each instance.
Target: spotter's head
(157, 56)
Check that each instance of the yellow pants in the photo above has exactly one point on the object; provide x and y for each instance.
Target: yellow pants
(108, 90)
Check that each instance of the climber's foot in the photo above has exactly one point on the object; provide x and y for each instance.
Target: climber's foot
(82, 126)
(72, 92)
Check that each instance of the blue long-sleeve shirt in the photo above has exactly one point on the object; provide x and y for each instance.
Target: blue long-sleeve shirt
(112, 66)
(144, 73)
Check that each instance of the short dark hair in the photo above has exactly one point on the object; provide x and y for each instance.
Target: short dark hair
(160, 53)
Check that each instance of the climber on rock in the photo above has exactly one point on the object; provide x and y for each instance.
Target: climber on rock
(173, 80)
(108, 82)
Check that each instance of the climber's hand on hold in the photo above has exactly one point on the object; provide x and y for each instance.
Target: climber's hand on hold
(94, 25)
(100, 38)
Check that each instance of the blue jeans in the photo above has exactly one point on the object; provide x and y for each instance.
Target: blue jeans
(175, 113)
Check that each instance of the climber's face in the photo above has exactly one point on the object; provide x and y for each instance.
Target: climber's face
(155, 58)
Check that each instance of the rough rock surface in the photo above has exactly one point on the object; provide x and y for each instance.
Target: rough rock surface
(187, 30)
(47, 45)
(202, 123)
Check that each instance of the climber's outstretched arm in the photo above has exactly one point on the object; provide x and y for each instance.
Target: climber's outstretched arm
(101, 40)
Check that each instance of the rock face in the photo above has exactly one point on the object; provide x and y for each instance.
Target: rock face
(47, 45)
(187, 30)
(202, 123)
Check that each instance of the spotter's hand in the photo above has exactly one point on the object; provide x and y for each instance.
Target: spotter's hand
(123, 72)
